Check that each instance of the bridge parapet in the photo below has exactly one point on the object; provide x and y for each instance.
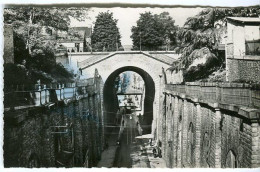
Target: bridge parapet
(161, 56)
(238, 94)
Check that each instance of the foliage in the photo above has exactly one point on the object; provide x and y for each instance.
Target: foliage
(105, 36)
(153, 31)
(33, 51)
(20, 51)
(30, 21)
(206, 29)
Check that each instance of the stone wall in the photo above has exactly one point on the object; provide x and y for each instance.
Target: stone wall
(8, 44)
(243, 70)
(66, 133)
(197, 133)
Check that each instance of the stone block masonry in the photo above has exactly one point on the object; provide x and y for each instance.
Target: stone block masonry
(243, 70)
(201, 131)
(65, 133)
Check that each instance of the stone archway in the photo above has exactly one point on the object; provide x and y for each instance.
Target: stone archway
(111, 103)
(106, 64)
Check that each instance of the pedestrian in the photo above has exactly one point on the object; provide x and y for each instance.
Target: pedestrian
(117, 116)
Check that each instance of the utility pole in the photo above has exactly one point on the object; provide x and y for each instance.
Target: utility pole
(140, 41)
(116, 43)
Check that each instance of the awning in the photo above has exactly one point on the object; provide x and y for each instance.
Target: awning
(146, 136)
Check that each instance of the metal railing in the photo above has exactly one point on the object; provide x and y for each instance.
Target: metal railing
(227, 93)
(40, 94)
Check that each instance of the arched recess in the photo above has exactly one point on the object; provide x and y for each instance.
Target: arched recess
(111, 103)
(231, 159)
(190, 145)
(205, 150)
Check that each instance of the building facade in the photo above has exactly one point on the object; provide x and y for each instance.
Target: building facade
(243, 49)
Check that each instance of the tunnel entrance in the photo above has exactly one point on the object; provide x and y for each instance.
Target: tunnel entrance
(111, 103)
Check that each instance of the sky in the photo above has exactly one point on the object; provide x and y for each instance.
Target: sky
(127, 18)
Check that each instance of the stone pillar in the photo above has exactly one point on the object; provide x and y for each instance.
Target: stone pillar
(171, 131)
(217, 137)
(198, 135)
(159, 112)
(168, 129)
(184, 131)
(175, 130)
(179, 134)
(255, 157)
(164, 128)
(161, 119)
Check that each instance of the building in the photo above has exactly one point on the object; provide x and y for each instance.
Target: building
(73, 46)
(243, 49)
(77, 39)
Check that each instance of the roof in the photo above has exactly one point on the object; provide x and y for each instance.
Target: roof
(147, 136)
(245, 20)
(70, 41)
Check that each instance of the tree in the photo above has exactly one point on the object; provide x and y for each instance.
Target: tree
(35, 55)
(153, 31)
(205, 31)
(106, 36)
(29, 21)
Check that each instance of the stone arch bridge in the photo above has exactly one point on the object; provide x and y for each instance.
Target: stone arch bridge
(148, 65)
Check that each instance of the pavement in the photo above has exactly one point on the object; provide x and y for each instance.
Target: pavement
(132, 153)
(155, 162)
(108, 155)
(142, 157)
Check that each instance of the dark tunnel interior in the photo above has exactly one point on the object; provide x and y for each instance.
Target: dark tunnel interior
(111, 102)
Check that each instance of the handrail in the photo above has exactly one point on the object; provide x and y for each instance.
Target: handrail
(41, 94)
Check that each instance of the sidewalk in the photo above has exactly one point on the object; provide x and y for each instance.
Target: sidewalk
(108, 155)
(139, 158)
